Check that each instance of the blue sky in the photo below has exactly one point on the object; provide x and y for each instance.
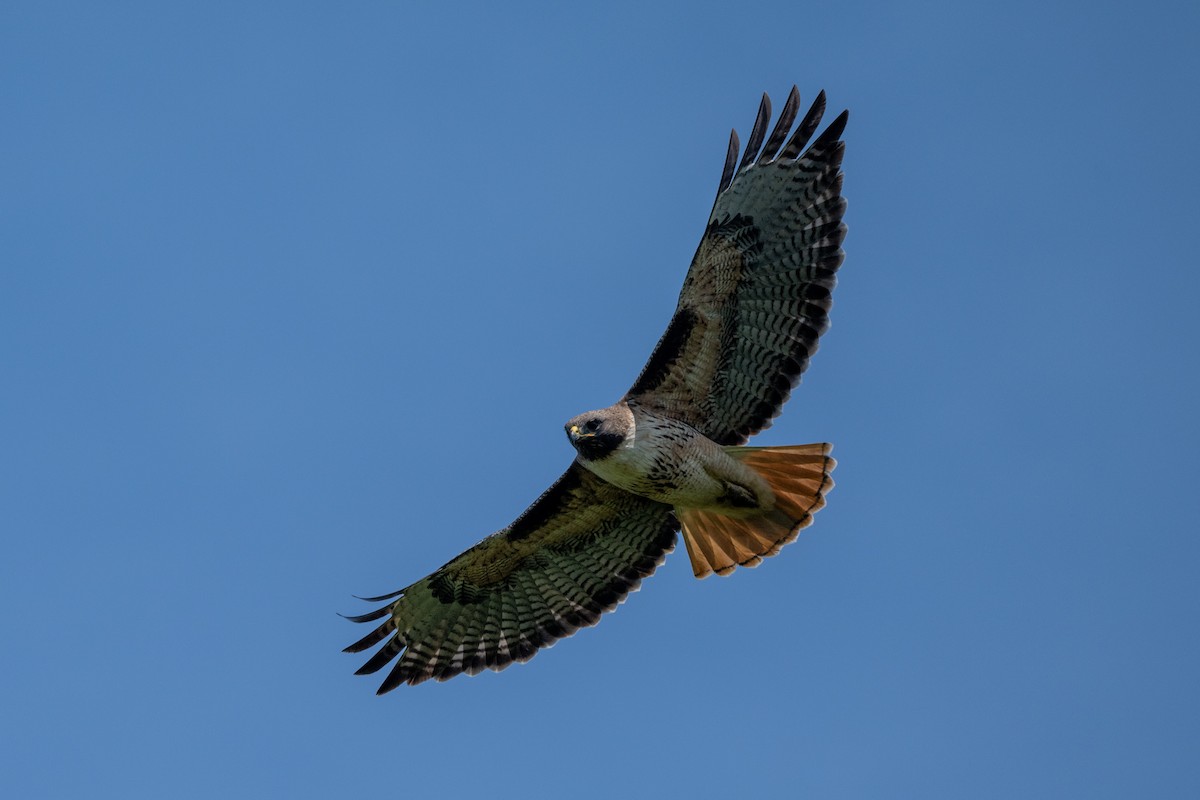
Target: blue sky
(294, 299)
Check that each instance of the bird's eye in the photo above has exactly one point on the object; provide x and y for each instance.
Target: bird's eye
(592, 425)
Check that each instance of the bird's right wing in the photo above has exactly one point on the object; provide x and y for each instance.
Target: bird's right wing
(571, 556)
(757, 295)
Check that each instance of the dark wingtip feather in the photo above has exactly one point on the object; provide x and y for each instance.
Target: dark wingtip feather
(371, 639)
(758, 132)
(730, 162)
(397, 676)
(382, 656)
(786, 117)
(370, 616)
(806, 128)
(380, 598)
(833, 133)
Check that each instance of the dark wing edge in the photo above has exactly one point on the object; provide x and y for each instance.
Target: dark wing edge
(757, 296)
(574, 554)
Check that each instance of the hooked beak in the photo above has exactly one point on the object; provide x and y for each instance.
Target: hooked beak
(575, 433)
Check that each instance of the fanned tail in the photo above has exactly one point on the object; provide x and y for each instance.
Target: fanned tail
(799, 475)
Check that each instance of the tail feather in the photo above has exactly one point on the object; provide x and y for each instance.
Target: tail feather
(799, 475)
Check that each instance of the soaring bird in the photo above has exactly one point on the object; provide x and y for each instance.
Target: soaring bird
(670, 455)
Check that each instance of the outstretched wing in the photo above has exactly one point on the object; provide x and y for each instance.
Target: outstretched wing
(574, 554)
(757, 295)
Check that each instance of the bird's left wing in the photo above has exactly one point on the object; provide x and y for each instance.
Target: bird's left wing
(571, 556)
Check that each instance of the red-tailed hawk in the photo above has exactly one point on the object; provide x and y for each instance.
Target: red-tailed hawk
(669, 456)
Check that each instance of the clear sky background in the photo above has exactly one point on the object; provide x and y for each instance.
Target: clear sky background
(295, 297)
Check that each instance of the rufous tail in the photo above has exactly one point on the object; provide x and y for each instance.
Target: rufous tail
(799, 477)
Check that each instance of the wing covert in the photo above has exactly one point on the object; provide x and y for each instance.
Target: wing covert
(572, 555)
(757, 295)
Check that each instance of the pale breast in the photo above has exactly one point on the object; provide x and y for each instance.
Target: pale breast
(674, 463)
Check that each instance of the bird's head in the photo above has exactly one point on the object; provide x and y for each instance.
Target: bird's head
(596, 434)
